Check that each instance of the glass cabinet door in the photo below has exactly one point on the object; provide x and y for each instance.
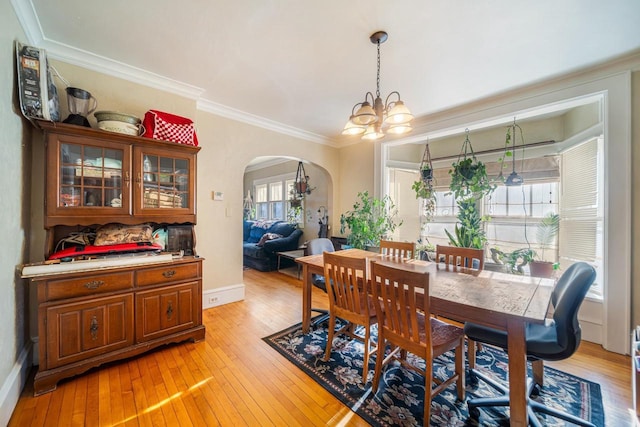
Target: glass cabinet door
(166, 179)
(90, 178)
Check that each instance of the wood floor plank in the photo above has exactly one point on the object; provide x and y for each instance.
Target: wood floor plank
(233, 378)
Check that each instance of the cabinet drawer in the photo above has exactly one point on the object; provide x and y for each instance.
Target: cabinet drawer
(88, 285)
(167, 274)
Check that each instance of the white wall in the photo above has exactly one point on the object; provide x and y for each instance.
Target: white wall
(14, 221)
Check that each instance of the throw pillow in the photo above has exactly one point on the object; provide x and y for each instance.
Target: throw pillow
(113, 234)
(268, 236)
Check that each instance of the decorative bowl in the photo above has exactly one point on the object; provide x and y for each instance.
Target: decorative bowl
(114, 116)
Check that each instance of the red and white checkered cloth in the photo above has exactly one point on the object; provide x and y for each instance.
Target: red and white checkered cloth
(169, 127)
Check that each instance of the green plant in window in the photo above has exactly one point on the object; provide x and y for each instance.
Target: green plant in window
(370, 220)
(547, 231)
(514, 261)
(469, 180)
(469, 231)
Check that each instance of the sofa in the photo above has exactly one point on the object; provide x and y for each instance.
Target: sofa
(262, 239)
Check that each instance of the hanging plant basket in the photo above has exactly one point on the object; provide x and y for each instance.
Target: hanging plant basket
(424, 186)
(427, 174)
(301, 187)
(469, 179)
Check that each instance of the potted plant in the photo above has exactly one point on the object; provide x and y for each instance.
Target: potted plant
(469, 179)
(424, 190)
(425, 251)
(426, 172)
(514, 261)
(545, 235)
(294, 214)
(468, 232)
(370, 220)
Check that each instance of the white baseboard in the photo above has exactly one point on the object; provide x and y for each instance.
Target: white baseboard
(13, 385)
(220, 296)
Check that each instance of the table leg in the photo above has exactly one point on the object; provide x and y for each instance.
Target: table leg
(306, 298)
(517, 373)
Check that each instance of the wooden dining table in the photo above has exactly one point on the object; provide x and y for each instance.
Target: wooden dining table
(495, 299)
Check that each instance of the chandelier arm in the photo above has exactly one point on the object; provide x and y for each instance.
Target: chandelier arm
(387, 104)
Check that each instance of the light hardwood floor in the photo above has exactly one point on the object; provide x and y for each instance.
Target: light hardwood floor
(233, 378)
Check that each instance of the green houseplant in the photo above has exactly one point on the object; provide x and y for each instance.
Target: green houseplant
(514, 261)
(370, 220)
(545, 235)
(469, 184)
(468, 232)
(469, 179)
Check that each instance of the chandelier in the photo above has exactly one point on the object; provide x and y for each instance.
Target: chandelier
(372, 118)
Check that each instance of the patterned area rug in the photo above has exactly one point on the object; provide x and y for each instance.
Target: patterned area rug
(401, 393)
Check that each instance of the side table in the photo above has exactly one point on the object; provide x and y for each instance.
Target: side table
(292, 255)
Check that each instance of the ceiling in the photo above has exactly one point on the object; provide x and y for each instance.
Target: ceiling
(300, 66)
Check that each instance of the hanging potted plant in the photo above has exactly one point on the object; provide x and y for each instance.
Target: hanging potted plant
(424, 186)
(370, 221)
(294, 200)
(469, 179)
(545, 235)
(426, 171)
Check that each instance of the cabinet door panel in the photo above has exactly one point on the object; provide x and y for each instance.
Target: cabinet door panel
(80, 330)
(164, 181)
(87, 177)
(164, 311)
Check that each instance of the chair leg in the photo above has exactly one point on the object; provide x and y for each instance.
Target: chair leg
(459, 362)
(471, 353)
(538, 372)
(428, 389)
(382, 346)
(365, 362)
(332, 327)
(538, 407)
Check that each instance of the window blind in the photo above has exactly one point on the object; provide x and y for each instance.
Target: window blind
(579, 203)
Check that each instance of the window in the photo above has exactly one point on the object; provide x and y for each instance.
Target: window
(273, 199)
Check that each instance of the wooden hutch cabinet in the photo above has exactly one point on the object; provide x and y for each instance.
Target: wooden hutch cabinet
(92, 315)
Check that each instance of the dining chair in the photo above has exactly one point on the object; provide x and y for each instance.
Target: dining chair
(404, 322)
(455, 257)
(349, 300)
(399, 249)
(317, 247)
(473, 260)
(556, 339)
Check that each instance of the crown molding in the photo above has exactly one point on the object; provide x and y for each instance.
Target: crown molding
(261, 122)
(121, 70)
(29, 21)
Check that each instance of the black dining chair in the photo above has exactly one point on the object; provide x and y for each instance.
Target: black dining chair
(557, 339)
(317, 247)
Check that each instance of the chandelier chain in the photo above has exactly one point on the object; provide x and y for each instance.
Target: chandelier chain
(378, 74)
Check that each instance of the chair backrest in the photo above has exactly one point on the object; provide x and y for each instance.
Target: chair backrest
(396, 294)
(319, 245)
(399, 249)
(567, 296)
(347, 286)
(455, 257)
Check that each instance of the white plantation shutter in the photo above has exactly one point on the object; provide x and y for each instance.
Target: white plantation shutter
(581, 204)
